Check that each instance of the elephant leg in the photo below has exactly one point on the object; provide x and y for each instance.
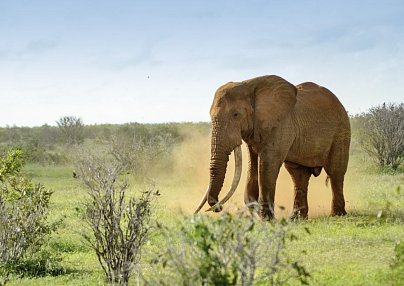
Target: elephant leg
(251, 193)
(268, 173)
(300, 176)
(336, 168)
(338, 201)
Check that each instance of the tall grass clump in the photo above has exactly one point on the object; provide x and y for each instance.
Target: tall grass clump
(119, 226)
(230, 250)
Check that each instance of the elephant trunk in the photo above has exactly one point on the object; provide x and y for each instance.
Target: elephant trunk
(236, 180)
(218, 164)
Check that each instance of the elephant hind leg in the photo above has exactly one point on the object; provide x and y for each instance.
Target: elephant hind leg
(335, 169)
(300, 176)
(338, 201)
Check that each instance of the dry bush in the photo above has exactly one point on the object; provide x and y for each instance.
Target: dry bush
(139, 153)
(231, 250)
(119, 225)
(382, 134)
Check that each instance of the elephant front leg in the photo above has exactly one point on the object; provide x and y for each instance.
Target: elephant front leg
(268, 173)
(251, 193)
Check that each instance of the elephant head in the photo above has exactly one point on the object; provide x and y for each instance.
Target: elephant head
(242, 111)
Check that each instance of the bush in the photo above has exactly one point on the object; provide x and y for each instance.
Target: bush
(382, 134)
(23, 213)
(231, 250)
(119, 226)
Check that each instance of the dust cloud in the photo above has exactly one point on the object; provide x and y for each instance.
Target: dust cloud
(189, 178)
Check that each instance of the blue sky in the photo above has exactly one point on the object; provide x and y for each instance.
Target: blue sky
(161, 61)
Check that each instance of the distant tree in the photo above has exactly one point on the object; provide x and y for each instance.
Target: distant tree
(71, 128)
(382, 134)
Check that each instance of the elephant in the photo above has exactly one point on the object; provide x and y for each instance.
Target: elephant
(304, 127)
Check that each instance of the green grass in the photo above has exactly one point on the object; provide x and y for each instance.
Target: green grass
(352, 250)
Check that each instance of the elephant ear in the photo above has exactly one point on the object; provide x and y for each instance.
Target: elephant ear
(274, 99)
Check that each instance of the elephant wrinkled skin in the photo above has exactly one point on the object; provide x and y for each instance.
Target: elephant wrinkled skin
(304, 126)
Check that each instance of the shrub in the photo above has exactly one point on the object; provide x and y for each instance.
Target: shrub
(23, 213)
(382, 134)
(231, 250)
(119, 226)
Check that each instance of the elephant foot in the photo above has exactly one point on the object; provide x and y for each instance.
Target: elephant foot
(298, 216)
(266, 214)
(338, 212)
(299, 212)
(217, 208)
(252, 205)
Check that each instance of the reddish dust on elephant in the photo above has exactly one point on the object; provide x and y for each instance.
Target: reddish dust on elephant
(303, 127)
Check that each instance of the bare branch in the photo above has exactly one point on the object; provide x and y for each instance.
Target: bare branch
(120, 226)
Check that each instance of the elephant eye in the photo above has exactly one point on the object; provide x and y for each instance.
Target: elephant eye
(236, 114)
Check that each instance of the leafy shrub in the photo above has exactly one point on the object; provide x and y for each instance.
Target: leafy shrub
(39, 263)
(231, 250)
(382, 134)
(119, 226)
(23, 213)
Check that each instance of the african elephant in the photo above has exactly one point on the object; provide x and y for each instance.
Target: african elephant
(304, 126)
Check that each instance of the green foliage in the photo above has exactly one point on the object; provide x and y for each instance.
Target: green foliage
(37, 264)
(11, 164)
(50, 145)
(40, 144)
(230, 250)
(23, 213)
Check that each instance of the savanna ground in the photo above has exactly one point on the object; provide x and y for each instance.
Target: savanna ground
(353, 250)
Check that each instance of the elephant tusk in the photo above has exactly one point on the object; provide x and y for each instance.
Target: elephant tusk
(236, 179)
(203, 201)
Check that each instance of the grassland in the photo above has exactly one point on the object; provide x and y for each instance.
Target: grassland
(352, 250)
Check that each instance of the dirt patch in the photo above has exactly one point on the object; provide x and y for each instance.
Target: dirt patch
(190, 177)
